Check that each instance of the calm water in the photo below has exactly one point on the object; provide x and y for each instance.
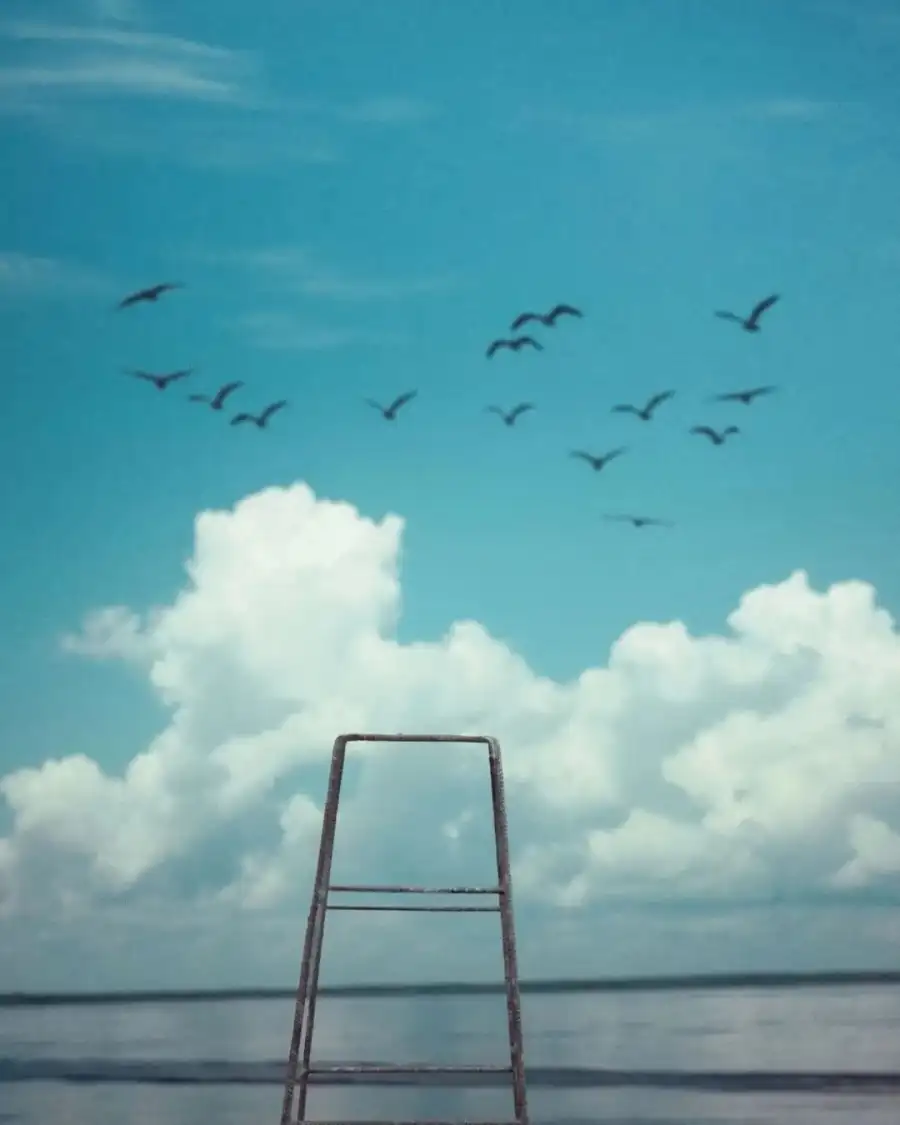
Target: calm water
(741, 1050)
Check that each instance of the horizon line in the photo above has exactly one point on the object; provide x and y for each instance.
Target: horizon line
(465, 988)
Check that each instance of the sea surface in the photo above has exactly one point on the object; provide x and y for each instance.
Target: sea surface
(794, 1056)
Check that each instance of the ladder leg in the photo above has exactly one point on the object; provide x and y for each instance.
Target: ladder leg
(304, 1010)
(508, 935)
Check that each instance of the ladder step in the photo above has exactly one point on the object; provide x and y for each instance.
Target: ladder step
(406, 1068)
(396, 907)
(395, 889)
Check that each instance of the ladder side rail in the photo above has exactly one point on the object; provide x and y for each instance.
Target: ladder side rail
(508, 934)
(329, 827)
(303, 1012)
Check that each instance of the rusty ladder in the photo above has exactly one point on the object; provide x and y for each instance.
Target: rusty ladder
(300, 1069)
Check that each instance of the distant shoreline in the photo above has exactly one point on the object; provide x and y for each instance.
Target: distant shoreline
(461, 988)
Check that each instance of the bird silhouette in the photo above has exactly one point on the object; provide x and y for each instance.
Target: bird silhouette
(153, 293)
(597, 463)
(714, 437)
(514, 344)
(639, 521)
(746, 397)
(510, 418)
(548, 319)
(750, 323)
(160, 381)
(644, 413)
(218, 399)
(262, 419)
(389, 413)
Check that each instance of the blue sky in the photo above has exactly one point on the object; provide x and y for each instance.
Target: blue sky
(359, 197)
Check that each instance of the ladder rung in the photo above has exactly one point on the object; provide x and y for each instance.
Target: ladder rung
(390, 906)
(407, 1068)
(395, 889)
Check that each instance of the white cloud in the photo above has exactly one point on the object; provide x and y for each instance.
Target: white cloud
(622, 125)
(759, 765)
(282, 331)
(73, 61)
(387, 111)
(31, 275)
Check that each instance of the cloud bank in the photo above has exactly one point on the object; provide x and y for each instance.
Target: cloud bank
(695, 773)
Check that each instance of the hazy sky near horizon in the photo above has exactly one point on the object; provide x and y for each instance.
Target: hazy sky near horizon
(701, 723)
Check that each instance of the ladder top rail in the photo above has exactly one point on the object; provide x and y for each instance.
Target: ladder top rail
(476, 739)
(398, 889)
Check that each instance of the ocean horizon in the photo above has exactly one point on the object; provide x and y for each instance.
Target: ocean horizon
(834, 978)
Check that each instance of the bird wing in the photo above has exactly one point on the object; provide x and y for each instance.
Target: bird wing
(242, 417)
(199, 398)
(521, 409)
(375, 405)
(614, 453)
(580, 453)
(758, 310)
(523, 318)
(495, 410)
(401, 400)
(625, 408)
(225, 391)
(142, 375)
(497, 344)
(657, 399)
(177, 375)
(133, 298)
(563, 310)
(272, 409)
(708, 430)
(731, 396)
(518, 343)
(724, 315)
(756, 391)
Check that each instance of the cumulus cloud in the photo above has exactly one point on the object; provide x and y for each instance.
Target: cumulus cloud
(760, 764)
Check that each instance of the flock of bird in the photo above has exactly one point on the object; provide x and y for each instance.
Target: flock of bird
(513, 343)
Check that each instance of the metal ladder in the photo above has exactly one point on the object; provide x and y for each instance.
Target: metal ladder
(300, 1069)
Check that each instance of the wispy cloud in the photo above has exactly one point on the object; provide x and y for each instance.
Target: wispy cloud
(387, 111)
(116, 11)
(296, 269)
(622, 125)
(81, 84)
(69, 61)
(282, 331)
(25, 275)
(200, 104)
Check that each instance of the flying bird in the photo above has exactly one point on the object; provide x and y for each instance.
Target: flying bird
(746, 397)
(160, 381)
(639, 521)
(218, 399)
(597, 463)
(645, 413)
(514, 344)
(548, 319)
(510, 418)
(715, 438)
(751, 323)
(390, 412)
(260, 419)
(153, 293)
